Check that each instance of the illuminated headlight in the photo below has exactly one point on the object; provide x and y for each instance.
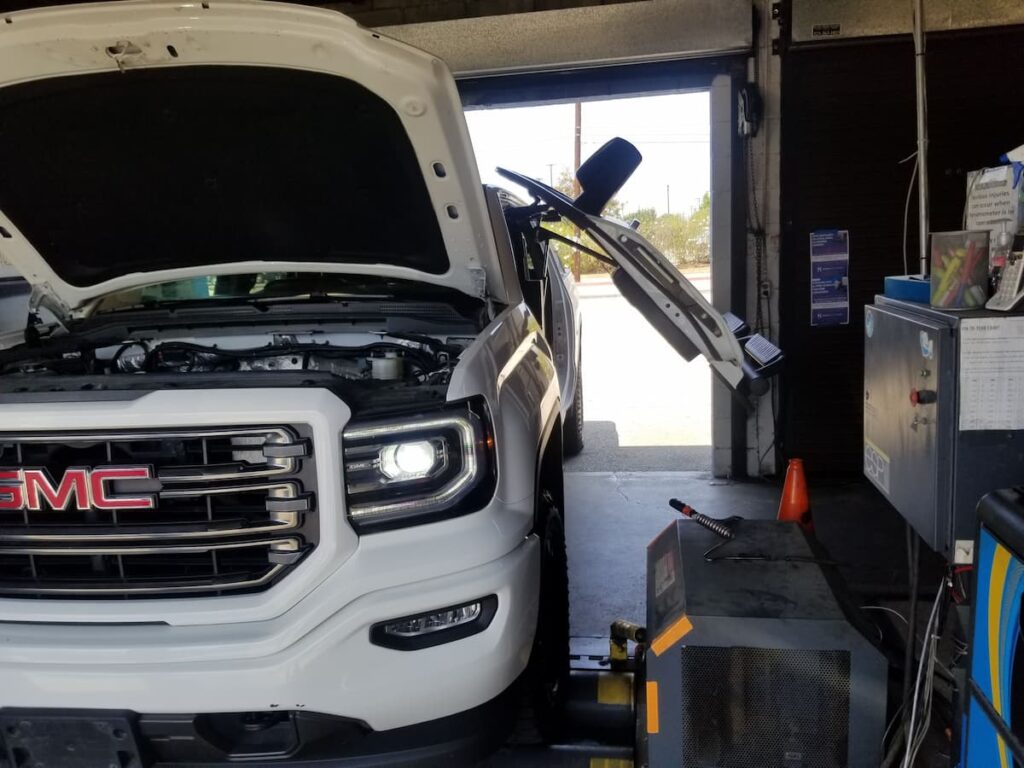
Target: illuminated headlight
(445, 625)
(412, 460)
(418, 468)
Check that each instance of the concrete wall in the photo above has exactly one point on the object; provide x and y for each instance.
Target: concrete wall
(766, 71)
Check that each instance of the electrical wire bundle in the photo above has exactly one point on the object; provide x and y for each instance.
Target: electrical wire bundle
(906, 733)
(924, 687)
(917, 718)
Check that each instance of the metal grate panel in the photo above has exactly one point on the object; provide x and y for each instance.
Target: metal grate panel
(764, 708)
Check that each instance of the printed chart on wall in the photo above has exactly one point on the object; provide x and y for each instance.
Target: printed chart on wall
(992, 373)
(830, 277)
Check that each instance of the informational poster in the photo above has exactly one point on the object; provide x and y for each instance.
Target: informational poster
(830, 277)
(992, 373)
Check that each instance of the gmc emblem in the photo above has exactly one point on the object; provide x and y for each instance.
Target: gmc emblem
(34, 489)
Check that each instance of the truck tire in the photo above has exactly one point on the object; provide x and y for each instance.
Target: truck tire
(548, 671)
(572, 430)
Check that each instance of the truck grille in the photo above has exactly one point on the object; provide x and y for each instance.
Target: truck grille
(233, 511)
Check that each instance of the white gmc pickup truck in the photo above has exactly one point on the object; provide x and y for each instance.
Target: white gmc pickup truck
(281, 447)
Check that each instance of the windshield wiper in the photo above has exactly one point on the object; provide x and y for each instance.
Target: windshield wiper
(257, 301)
(186, 303)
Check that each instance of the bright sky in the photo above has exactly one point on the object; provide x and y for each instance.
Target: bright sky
(672, 133)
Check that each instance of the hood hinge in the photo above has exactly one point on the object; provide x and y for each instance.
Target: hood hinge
(479, 282)
(480, 289)
(43, 297)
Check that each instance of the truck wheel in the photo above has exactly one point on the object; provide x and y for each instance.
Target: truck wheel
(572, 431)
(548, 672)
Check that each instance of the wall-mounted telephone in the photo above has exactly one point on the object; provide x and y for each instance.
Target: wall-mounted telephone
(1010, 293)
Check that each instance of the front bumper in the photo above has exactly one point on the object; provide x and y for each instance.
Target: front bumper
(298, 739)
(333, 670)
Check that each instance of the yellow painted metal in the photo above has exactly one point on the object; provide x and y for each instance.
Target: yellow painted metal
(615, 689)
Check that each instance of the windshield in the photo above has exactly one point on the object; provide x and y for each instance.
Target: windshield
(145, 170)
(263, 287)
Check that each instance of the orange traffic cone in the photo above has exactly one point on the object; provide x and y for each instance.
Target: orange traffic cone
(795, 505)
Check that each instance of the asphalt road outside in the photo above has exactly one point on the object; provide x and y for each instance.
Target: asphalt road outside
(645, 407)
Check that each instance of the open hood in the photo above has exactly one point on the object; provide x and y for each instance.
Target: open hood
(146, 142)
(648, 279)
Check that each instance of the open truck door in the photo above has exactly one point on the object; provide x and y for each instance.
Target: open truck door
(650, 282)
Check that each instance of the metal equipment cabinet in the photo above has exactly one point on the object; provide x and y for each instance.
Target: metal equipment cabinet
(758, 656)
(915, 452)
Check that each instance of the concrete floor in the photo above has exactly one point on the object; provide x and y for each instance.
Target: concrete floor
(611, 517)
(645, 407)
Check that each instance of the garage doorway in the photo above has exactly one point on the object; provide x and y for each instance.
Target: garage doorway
(669, 426)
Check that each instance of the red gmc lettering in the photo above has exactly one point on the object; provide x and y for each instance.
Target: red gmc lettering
(39, 486)
(35, 490)
(11, 487)
(97, 485)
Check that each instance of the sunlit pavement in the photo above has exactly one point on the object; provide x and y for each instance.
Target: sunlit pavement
(645, 407)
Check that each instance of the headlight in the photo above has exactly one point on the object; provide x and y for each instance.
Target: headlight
(412, 460)
(419, 468)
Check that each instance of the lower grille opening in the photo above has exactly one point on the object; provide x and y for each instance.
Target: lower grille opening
(236, 570)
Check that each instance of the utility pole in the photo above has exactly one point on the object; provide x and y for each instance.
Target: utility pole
(577, 146)
(668, 200)
(551, 175)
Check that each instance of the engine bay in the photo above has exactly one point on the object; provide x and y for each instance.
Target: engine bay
(369, 357)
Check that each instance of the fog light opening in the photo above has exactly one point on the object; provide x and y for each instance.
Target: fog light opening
(444, 625)
(434, 622)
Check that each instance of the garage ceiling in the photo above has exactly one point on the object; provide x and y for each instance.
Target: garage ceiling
(578, 37)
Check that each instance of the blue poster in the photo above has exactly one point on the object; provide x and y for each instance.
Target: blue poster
(830, 277)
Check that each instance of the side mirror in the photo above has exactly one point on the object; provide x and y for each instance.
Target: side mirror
(604, 173)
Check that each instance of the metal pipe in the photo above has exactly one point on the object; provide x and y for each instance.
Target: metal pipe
(922, 133)
(577, 159)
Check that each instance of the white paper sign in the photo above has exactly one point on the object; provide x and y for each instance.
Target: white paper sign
(992, 373)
